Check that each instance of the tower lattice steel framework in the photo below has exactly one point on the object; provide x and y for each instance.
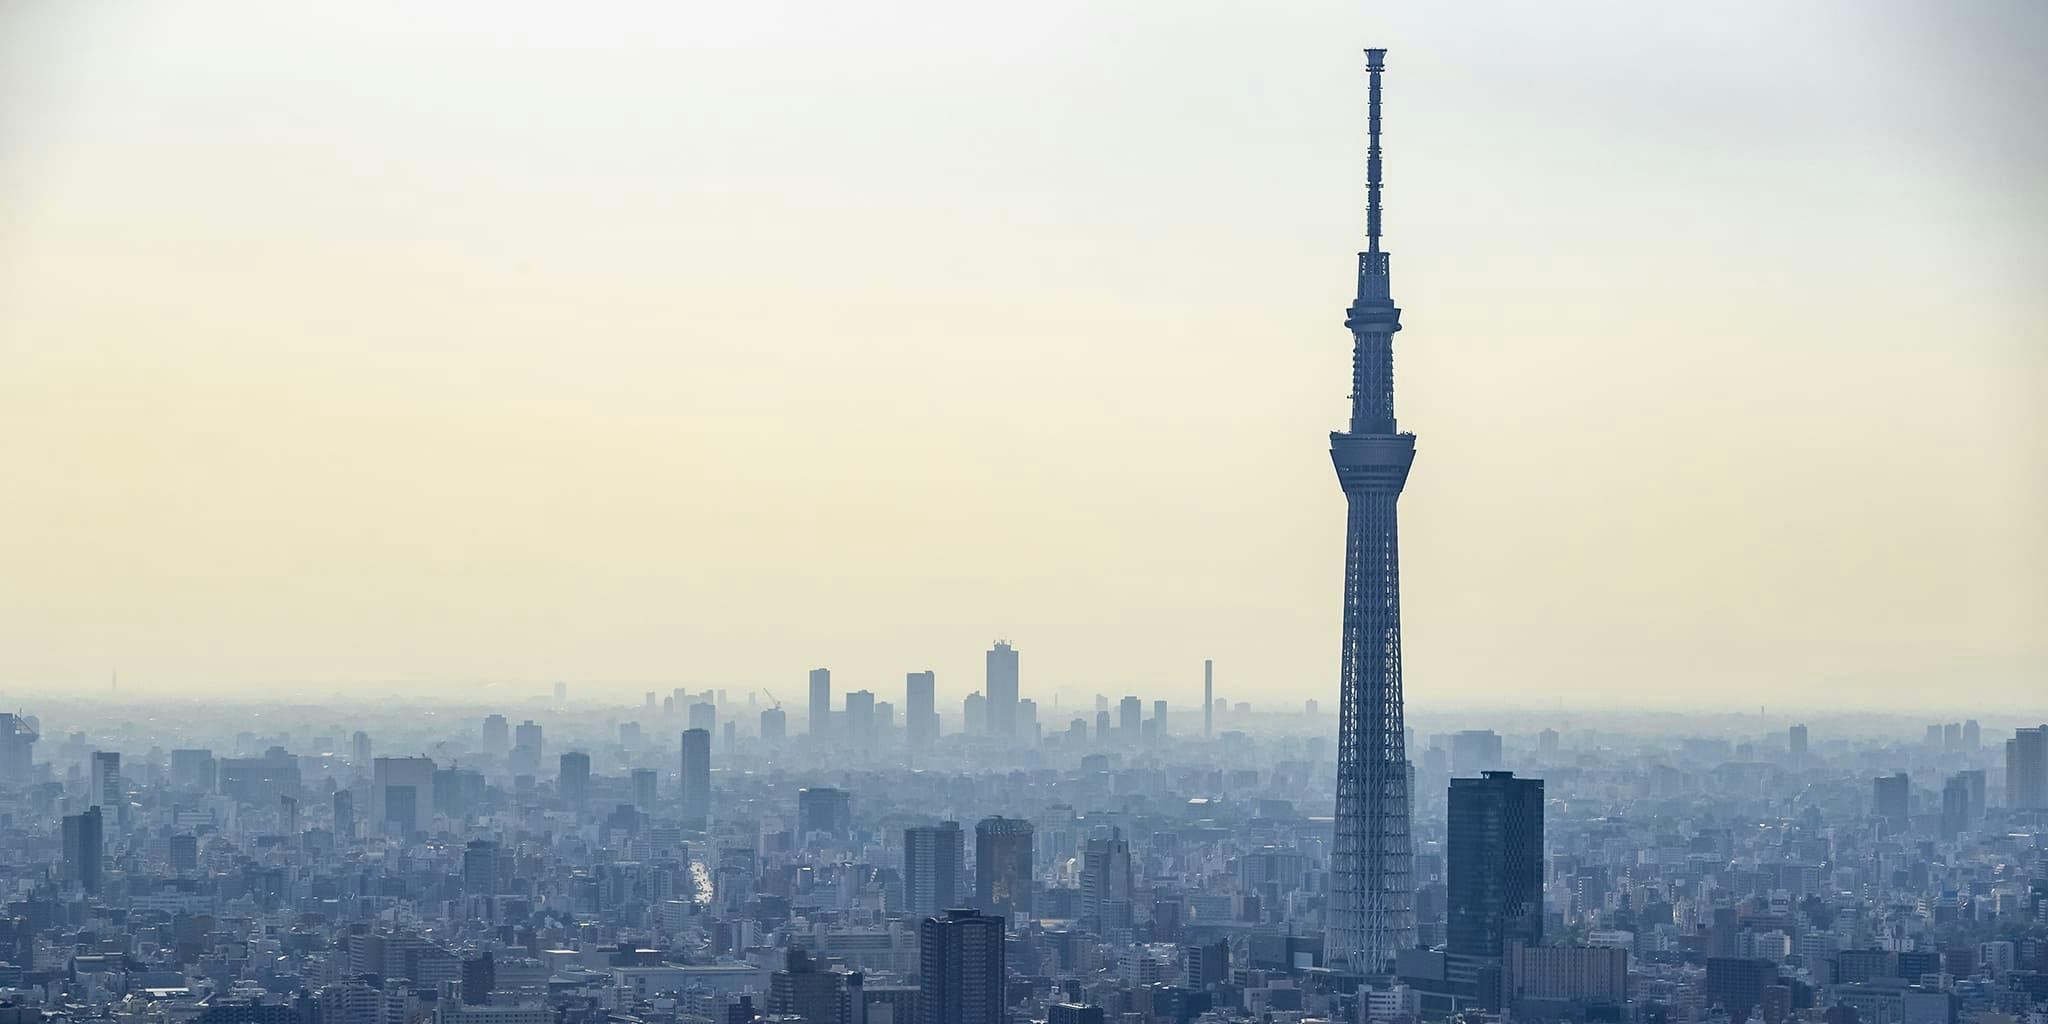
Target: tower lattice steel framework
(1372, 896)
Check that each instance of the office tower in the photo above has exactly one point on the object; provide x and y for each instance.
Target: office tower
(1130, 714)
(934, 867)
(1546, 745)
(497, 735)
(106, 785)
(182, 852)
(480, 868)
(858, 727)
(360, 754)
(1207, 964)
(960, 969)
(1105, 877)
(696, 776)
(1475, 751)
(1933, 741)
(823, 809)
(1074, 1013)
(646, 788)
(801, 990)
(703, 716)
(1952, 737)
(1208, 698)
(1973, 735)
(17, 749)
(1495, 882)
(527, 747)
(2026, 769)
(974, 714)
(1973, 784)
(920, 710)
(574, 780)
(83, 850)
(1795, 741)
(1002, 692)
(479, 979)
(629, 735)
(401, 794)
(1159, 719)
(344, 816)
(821, 702)
(1102, 727)
(1371, 894)
(1889, 800)
(732, 734)
(774, 725)
(1027, 722)
(1955, 807)
(1003, 877)
(649, 704)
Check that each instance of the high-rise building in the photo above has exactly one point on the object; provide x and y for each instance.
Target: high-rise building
(774, 725)
(497, 735)
(920, 710)
(17, 749)
(934, 867)
(2026, 769)
(1208, 697)
(1159, 719)
(359, 753)
(1130, 719)
(1475, 751)
(1890, 800)
(1002, 693)
(1973, 735)
(821, 703)
(83, 849)
(858, 727)
(1372, 896)
(480, 868)
(974, 714)
(401, 794)
(1795, 744)
(704, 715)
(1495, 877)
(1546, 745)
(696, 776)
(574, 780)
(1737, 984)
(528, 746)
(646, 788)
(344, 816)
(107, 790)
(1074, 1013)
(1003, 877)
(1207, 964)
(1955, 807)
(822, 809)
(1105, 878)
(960, 969)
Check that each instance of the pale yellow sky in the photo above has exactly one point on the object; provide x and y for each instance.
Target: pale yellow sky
(408, 345)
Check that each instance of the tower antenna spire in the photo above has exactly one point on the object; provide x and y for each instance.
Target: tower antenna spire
(1375, 62)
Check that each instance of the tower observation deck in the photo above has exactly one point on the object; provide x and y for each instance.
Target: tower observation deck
(1372, 894)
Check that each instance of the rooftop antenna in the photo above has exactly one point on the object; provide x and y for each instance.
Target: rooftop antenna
(1375, 62)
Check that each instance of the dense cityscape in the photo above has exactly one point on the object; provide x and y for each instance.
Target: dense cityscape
(874, 855)
(714, 856)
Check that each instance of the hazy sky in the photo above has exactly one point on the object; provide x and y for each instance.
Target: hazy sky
(404, 346)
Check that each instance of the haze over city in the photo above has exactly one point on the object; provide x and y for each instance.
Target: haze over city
(409, 350)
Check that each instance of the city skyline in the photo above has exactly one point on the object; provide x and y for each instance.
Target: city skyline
(417, 406)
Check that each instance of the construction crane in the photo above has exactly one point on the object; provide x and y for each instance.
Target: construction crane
(772, 699)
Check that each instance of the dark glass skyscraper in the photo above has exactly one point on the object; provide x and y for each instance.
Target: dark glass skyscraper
(1002, 867)
(960, 969)
(83, 849)
(1372, 897)
(1496, 872)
